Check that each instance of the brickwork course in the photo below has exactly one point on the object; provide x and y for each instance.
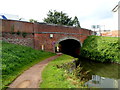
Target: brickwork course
(37, 35)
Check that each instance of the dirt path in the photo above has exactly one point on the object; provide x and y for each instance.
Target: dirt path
(31, 78)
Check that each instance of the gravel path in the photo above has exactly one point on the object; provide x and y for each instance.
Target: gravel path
(31, 78)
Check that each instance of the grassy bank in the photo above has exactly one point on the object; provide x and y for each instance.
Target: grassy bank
(101, 49)
(54, 77)
(17, 58)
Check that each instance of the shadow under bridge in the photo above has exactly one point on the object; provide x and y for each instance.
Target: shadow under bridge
(69, 47)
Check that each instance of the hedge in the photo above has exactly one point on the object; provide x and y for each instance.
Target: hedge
(101, 48)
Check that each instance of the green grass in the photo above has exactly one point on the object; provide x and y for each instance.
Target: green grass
(101, 48)
(54, 77)
(17, 58)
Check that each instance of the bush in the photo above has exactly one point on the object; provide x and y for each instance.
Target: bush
(101, 48)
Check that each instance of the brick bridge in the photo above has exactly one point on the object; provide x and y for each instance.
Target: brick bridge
(43, 36)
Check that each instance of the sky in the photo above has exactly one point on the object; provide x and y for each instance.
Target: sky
(89, 12)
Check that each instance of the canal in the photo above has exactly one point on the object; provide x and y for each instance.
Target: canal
(103, 75)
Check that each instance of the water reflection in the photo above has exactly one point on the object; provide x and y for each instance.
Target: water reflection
(102, 82)
(104, 75)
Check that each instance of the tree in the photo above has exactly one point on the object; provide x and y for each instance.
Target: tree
(33, 21)
(61, 18)
(76, 22)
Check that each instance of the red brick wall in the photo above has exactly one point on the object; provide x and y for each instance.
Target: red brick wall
(114, 33)
(41, 33)
(15, 26)
(49, 43)
(58, 28)
(10, 28)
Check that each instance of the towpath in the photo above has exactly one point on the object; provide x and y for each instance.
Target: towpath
(31, 78)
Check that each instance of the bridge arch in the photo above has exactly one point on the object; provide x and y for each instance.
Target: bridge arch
(68, 45)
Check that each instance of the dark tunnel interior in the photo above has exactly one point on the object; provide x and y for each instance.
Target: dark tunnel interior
(70, 47)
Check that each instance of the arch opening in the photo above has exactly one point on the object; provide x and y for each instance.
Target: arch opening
(69, 47)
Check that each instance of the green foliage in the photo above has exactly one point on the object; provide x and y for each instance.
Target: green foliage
(55, 74)
(76, 22)
(101, 48)
(32, 21)
(24, 34)
(12, 29)
(17, 58)
(76, 70)
(82, 74)
(18, 32)
(61, 18)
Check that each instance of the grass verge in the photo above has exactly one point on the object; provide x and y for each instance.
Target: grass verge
(103, 49)
(54, 77)
(16, 59)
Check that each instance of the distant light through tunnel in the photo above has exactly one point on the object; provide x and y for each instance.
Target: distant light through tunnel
(69, 47)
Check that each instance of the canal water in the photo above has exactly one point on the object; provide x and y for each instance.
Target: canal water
(103, 75)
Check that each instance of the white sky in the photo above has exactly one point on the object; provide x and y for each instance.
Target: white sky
(89, 12)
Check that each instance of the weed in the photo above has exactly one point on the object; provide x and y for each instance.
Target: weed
(18, 33)
(24, 34)
(12, 28)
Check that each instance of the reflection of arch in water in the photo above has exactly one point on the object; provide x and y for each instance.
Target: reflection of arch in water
(68, 45)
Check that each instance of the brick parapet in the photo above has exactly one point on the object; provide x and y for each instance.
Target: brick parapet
(39, 34)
